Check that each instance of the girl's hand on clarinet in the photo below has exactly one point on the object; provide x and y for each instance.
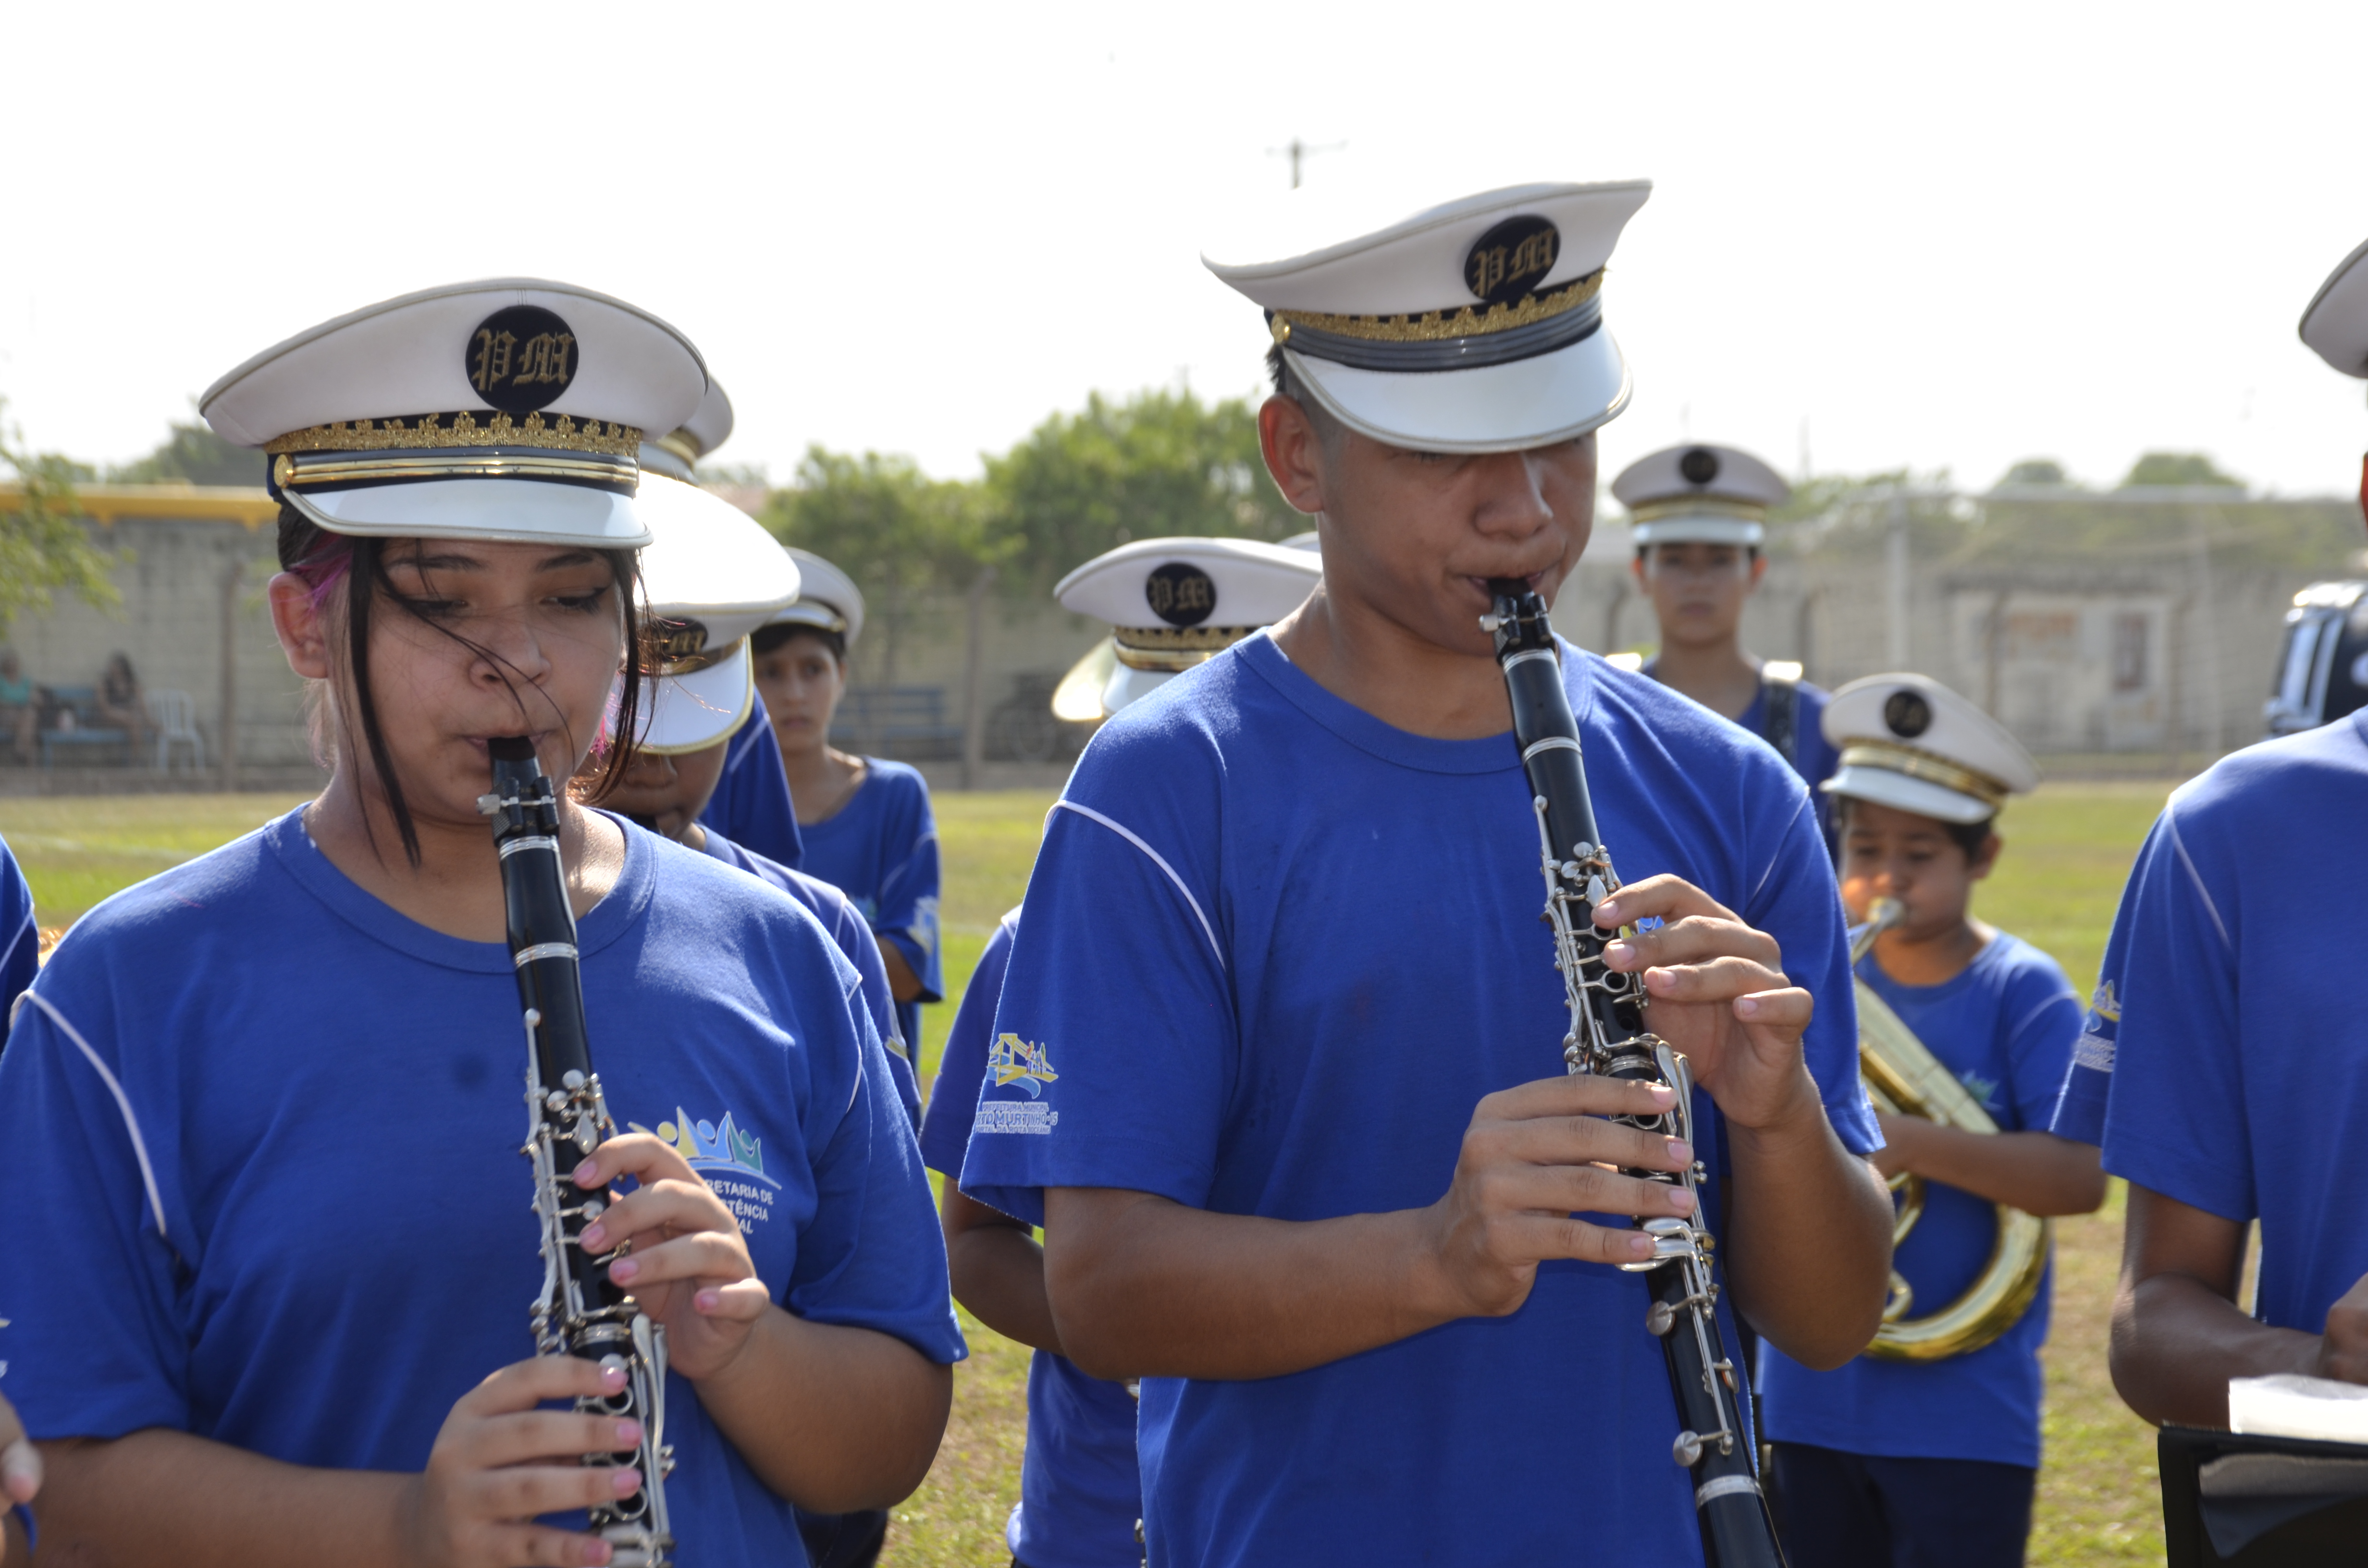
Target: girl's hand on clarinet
(1715, 990)
(500, 1462)
(689, 1267)
(1535, 1156)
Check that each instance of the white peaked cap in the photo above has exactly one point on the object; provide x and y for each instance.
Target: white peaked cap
(1699, 494)
(505, 410)
(1473, 325)
(1909, 743)
(2336, 323)
(712, 576)
(827, 598)
(1174, 602)
(677, 453)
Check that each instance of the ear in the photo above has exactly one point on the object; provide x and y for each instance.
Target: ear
(1758, 569)
(1985, 859)
(1293, 453)
(303, 630)
(1636, 566)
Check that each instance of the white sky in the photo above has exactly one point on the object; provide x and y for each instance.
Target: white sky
(1941, 236)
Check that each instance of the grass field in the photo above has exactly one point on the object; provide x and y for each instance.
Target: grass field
(2068, 850)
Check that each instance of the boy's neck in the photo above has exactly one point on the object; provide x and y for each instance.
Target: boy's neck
(1718, 674)
(1933, 958)
(1362, 656)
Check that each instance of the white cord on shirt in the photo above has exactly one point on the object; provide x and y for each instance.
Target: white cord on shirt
(122, 1102)
(1127, 833)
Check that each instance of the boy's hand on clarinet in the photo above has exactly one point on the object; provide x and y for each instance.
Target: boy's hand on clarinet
(500, 1462)
(1715, 990)
(1535, 1156)
(689, 1267)
(20, 1466)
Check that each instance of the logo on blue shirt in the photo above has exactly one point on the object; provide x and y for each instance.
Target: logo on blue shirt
(717, 1146)
(1013, 1061)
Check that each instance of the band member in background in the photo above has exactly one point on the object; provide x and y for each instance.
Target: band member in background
(1311, 1163)
(2224, 1067)
(710, 576)
(1931, 1463)
(1173, 603)
(267, 1276)
(866, 820)
(751, 804)
(1700, 515)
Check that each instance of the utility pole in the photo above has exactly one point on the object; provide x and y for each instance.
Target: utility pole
(2207, 641)
(1897, 553)
(226, 734)
(973, 720)
(1297, 152)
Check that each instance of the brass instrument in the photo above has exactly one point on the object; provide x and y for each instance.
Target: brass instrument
(1904, 1079)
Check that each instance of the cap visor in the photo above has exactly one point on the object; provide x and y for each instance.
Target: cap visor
(1917, 796)
(694, 712)
(1079, 698)
(502, 511)
(1128, 685)
(1501, 408)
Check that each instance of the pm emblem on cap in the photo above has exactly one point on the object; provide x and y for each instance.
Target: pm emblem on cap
(1906, 714)
(1511, 259)
(1180, 593)
(520, 359)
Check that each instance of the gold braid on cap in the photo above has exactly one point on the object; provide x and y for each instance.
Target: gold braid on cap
(1432, 326)
(428, 432)
(1917, 763)
(1173, 648)
(1699, 506)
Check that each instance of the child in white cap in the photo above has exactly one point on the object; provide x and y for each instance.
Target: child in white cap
(1310, 1161)
(1173, 603)
(865, 820)
(2224, 1067)
(1699, 516)
(1932, 1462)
(272, 1265)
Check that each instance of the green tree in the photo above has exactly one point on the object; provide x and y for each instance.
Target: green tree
(192, 454)
(1161, 462)
(2035, 470)
(44, 546)
(2178, 468)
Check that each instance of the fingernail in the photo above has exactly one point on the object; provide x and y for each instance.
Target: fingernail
(595, 1552)
(588, 1174)
(1746, 1007)
(628, 1434)
(1620, 954)
(1639, 1244)
(1664, 1094)
(1608, 910)
(613, 1374)
(1681, 1151)
(708, 1301)
(626, 1482)
(1681, 1201)
(624, 1269)
(1659, 979)
(594, 1237)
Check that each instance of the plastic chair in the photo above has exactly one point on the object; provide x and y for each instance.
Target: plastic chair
(176, 716)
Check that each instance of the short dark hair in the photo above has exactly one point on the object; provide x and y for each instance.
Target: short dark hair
(321, 558)
(768, 638)
(1328, 429)
(1968, 836)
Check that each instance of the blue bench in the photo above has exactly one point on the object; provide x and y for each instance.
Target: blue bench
(896, 719)
(87, 735)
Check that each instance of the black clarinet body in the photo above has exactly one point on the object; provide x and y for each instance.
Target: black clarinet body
(580, 1310)
(1607, 1036)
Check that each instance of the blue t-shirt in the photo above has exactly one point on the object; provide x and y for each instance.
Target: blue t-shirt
(1080, 1493)
(1276, 952)
(2005, 1027)
(20, 944)
(2226, 1062)
(853, 937)
(201, 1158)
(1811, 756)
(881, 850)
(751, 804)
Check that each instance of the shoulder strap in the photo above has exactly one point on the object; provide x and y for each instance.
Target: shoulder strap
(1779, 718)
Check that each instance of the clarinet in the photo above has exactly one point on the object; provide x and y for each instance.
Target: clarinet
(1607, 1038)
(579, 1311)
